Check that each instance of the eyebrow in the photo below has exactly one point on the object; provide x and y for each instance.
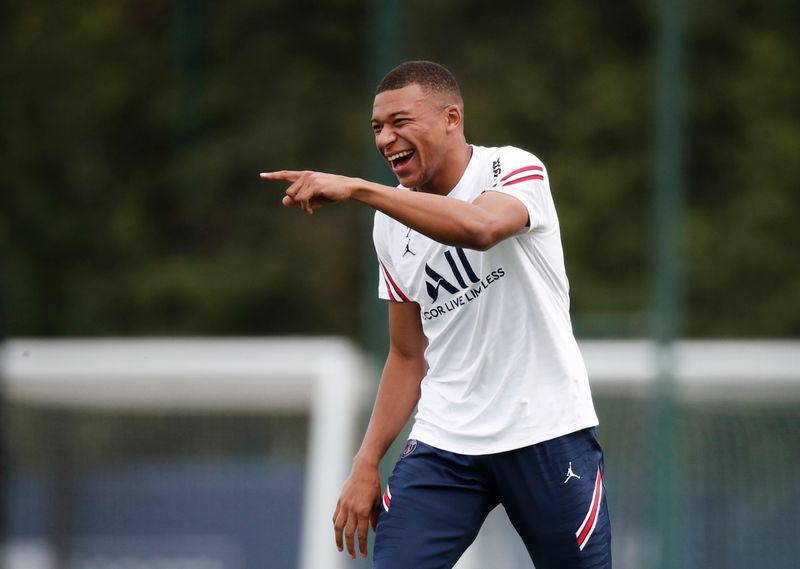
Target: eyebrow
(392, 115)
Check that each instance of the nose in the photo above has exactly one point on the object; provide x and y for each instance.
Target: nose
(384, 138)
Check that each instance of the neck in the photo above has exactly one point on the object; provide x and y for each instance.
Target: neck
(454, 165)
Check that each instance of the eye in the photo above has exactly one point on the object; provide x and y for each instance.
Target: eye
(376, 128)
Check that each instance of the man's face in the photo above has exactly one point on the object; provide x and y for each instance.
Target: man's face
(410, 133)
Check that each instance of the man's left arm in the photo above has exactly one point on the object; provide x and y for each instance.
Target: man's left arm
(489, 219)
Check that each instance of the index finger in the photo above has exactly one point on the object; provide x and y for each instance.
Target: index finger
(338, 527)
(288, 175)
(363, 530)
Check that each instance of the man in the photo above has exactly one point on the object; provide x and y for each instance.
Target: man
(470, 258)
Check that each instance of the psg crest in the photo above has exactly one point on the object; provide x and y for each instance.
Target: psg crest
(411, 446)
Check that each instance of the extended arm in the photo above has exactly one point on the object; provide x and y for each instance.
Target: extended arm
(478, 225)
(397, 396)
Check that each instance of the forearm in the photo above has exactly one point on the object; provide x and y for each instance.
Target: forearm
(446, 220)
(397, 397)
(478, 225)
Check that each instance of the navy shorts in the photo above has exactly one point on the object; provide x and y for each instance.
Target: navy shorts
(436, 501)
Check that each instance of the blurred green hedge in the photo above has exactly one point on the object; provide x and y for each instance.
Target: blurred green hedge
(133, 134)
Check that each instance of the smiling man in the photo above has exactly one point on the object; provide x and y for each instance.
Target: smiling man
(480, 343)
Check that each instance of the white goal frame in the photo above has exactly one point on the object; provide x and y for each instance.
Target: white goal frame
(332, 380)
(328, 377)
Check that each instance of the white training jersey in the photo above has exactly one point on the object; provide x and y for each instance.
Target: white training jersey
(504, 369)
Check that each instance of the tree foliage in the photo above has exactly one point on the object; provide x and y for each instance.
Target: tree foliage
(134, 133)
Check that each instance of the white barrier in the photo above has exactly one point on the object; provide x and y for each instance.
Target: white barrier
(327, 376)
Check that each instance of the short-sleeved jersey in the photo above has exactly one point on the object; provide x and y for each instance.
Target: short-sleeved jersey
(504, 369)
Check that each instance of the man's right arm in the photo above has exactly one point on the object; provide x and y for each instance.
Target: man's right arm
(481, 224)
(397, 396)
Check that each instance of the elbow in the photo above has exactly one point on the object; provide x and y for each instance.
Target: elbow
(483, 235)
(482, 242)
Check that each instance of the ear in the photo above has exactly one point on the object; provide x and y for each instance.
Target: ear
(454, 117)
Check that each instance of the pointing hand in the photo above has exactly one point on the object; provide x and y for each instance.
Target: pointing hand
(312, 190)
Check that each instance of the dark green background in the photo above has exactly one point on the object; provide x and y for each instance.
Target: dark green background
(134, 131)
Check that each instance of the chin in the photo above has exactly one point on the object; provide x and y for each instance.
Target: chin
(406, 181)
(411, 180)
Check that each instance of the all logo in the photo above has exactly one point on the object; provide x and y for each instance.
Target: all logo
(461, 272)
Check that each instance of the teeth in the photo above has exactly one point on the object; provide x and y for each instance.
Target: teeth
(393, 157)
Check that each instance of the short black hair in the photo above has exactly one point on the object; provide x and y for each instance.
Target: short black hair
(427, 74)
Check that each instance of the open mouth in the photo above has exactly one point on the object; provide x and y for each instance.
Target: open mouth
(400, 159)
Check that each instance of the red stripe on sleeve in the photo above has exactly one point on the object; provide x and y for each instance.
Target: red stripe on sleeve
(394, 284)
(520, 170)
(525, 179)
(389, 289)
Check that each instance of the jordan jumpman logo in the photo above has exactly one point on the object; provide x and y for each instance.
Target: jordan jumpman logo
(571, 474)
